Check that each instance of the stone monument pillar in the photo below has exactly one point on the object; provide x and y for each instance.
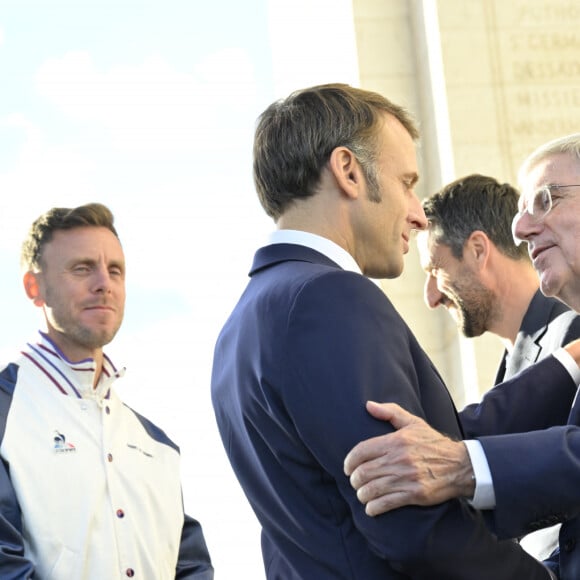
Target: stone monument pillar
(488, 81)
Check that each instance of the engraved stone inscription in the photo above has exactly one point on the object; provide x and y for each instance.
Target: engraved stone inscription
(539, 61)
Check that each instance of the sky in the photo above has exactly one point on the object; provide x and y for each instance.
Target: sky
(149, 107)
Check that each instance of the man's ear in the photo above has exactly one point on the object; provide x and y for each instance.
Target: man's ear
(32, 288)
(477, 248)
(347, 171)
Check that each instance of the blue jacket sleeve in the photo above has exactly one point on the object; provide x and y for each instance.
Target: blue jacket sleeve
(536, 478)
(13, 564)
(545, 390)
(194, 561)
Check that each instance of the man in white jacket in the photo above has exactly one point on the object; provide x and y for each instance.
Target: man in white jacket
(89, 489)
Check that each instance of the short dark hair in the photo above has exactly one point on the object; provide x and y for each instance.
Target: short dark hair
(474, 202)
(295, 137)
(61, 218)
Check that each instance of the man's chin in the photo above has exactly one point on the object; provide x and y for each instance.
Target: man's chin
(100, 338)
(548, 285)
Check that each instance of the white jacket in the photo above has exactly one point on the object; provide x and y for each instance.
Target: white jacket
(97, 485)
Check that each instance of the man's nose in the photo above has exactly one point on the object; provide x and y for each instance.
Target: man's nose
(102, 280)
(417, 215)
(431, 293)
(524, 226)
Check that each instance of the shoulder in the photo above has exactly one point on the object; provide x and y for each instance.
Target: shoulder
(565, 322)
(346, 299)
(550, 322)
(8, 378)
(155, 432)
(342, 285)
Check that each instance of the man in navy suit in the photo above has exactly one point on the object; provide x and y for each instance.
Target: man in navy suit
(487, 283)
(312, 338)
(534, 476)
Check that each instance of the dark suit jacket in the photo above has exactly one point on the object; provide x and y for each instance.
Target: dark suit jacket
(307, 344)
(547, 325)
(536, 479)
(536, 475)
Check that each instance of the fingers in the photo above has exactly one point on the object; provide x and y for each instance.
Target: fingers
(386, 475)
(369, 471)
(365, 451)
(389, 493)
(386, 503)
(391, 412)
(375, 488)
(378, 446)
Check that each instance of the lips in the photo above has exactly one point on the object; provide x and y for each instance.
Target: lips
(100, 307)
(535, 251)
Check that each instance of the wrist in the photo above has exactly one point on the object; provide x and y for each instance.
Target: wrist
(573, 349)
(465, 479)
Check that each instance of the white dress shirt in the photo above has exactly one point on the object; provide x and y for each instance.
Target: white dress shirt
(323, 245)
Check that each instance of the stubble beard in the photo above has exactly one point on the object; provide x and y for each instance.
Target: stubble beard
(475, 314)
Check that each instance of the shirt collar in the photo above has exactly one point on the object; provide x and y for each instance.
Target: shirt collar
(323, 245)
(71, 377)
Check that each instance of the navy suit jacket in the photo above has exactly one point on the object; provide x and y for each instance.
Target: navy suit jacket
(306, 346)
(547, 325)
(536, 475)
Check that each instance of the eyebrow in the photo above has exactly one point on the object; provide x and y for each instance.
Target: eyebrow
(92, 262)
(80, 260)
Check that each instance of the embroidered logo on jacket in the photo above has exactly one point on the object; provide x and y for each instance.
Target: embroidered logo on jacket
(61, 445)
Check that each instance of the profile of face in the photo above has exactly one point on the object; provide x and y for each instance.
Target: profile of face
(81, 289)
(554, 239)
(385, 225)
(454, 285)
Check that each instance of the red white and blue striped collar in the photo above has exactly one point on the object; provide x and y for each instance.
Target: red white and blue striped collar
(74, 378)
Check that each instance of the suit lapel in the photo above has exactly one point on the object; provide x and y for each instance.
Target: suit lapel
(527, 347)
(501, 369)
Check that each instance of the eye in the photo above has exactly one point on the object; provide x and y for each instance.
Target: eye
(81, 269)
(541, 202)
(116, 271)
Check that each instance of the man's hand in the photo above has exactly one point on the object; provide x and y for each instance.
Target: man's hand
(415, 465)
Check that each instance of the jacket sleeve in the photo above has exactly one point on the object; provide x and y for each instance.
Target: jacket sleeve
(536, 477)
(13, 564)
(194, 561)
(545, 390)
